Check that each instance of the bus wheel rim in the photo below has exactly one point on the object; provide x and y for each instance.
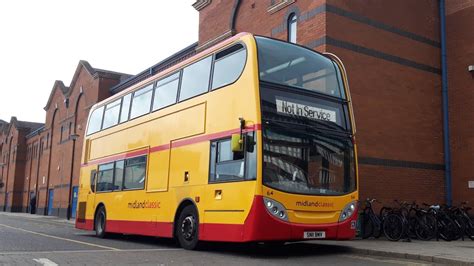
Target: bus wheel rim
(188, 227)
(101, 222)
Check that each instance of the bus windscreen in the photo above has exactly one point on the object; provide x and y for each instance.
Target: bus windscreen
(295, 66)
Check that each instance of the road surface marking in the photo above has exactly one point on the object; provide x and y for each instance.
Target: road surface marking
(60, 238)
(46, 262)
(39, 219)
(382, 259)
(13, 253)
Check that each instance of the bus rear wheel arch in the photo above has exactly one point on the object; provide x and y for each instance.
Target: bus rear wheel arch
(100, 221)
(186, 226)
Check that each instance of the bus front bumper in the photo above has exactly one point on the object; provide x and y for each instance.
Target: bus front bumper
(262, 226)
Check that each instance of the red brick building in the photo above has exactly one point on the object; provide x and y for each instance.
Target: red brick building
(460, 37)
(43, 160)
(392, 51)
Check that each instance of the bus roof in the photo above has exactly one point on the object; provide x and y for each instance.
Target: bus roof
(171, 69)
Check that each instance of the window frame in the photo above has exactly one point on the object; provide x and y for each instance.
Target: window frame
(292, 20)
(105, 110)
(96, 171)
(244, 47)
(244, 160)
(146, 173)
(121, 108)
(101, 121)
(98, 174)
(152, 84)
(212, 56)
(179, 90)
(180, 74)
(123, 175)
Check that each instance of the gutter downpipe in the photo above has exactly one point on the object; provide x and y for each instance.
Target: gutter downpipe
(444, 77)
(233, 17)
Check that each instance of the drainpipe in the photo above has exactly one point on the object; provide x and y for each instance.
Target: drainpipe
(233, 17)
(444, 77)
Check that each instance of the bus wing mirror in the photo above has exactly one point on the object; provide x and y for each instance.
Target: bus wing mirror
(237, 143)
(249, 143)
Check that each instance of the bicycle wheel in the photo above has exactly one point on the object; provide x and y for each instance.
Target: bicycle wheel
(469, 228)
(447, 229)
(393, 227)
(425, 227)
(368, 227)
(460, 227)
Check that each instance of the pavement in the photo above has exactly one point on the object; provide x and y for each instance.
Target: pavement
(432, 252)
(439, 252)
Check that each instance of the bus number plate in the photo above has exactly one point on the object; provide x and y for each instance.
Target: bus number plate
(315, 235)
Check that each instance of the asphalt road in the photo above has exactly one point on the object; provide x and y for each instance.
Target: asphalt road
(35, 240)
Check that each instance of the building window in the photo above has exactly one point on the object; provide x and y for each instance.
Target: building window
(41, 147)
(292, 27)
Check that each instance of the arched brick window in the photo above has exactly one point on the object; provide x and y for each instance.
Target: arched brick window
(292, 27)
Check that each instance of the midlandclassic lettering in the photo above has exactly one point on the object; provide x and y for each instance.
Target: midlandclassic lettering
(314, 204)
(146, 204)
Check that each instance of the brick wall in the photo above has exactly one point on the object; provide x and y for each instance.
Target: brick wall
(393, 62)
(49, 159)
(460, 54)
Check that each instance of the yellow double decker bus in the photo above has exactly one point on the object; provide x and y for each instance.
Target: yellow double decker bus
(250, 140)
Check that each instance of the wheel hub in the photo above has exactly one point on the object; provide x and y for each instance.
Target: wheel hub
(188, 227)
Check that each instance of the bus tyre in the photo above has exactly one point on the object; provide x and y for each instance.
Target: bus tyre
(187, 228)
(100, 221)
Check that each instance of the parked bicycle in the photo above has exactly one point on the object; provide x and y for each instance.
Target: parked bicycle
(371, 223)
(410, 221)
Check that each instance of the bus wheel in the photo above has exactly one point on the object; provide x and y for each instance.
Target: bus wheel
(100, 219)
(187, 228)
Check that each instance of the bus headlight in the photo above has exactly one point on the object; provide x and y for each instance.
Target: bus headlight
(348, 211)
(276, 209)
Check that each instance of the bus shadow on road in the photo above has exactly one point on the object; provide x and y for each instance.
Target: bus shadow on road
(258, 250)
(151, 242)
(297, 249)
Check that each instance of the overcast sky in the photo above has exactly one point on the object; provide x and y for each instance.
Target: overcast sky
(43, 41)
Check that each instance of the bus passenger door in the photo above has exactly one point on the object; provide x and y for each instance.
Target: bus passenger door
(89, 190)
(158, 171)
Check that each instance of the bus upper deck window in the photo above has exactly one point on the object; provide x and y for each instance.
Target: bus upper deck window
(228, 65)
(195, 79)
(95, 121)
(141, 101)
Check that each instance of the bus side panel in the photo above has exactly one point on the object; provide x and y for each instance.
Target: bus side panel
(86, 208)
(226, 207)
(158, 165)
